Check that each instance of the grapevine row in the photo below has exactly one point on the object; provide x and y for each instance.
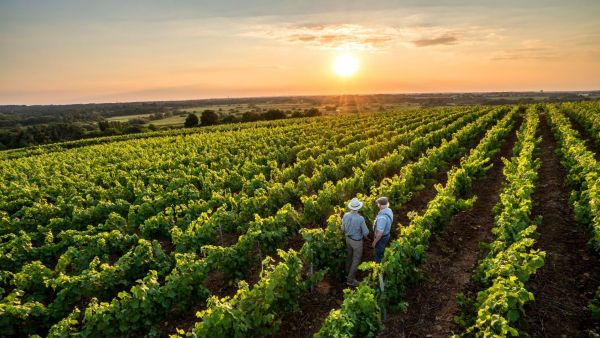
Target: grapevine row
(510, 260)
(583, 177)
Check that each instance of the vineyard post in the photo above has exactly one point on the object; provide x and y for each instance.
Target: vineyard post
(261, 259)
(221, 234)
(310, 275)
(382, 290)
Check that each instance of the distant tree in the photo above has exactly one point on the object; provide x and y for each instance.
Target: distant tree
(133, 129)
(274, 114)
(297, 113)
(112, 127)
(103, 125)
(138, 121)
(250, 117)
(157, 116)
(191, 121)
(209, 117)
(89, 127)
(312, 112)
(152, 127)
(230, 119)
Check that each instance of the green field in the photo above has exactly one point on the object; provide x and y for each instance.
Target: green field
(127, 117)
(171, 121)
(236, 229)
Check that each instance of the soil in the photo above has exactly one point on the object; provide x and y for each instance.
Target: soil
(563, 286)
(166, 245)
(218, 286)
(314, 308)
(295, 242)
(184, 321)
(228, 239)
(450, 260)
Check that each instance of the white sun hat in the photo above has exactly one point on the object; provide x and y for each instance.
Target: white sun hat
(355, 204)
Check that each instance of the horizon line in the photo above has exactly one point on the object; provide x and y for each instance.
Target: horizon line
(540, 91)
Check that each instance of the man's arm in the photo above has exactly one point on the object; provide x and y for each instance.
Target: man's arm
(344, 218)
(378, 231)
(365, 230)
(378, 235)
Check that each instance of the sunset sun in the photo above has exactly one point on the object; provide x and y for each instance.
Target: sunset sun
(345, 65)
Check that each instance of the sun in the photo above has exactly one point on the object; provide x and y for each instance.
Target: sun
(345, 65)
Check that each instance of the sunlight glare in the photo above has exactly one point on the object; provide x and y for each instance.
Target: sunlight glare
(345, 65)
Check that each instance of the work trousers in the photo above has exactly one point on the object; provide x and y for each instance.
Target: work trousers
(354, 251)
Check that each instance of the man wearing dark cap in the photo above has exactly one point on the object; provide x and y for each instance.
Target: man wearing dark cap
(382, 227)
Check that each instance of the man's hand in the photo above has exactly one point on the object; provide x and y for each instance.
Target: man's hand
(377, 238)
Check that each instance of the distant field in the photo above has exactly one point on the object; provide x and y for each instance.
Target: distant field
(127, 117)
(509, 98)
(239, 109)
(169, 121)
(341, 108)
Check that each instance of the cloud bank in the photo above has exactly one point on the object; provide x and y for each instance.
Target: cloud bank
(371, 38)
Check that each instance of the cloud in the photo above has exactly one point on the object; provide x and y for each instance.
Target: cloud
(442, 40)
(528, 50)
(227, 68)
(331, 36)
(373, 38)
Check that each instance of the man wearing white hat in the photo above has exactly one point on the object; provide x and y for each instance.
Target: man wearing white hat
(355, 229)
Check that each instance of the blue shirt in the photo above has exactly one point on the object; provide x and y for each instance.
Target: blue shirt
(354, 226)
(384, 220)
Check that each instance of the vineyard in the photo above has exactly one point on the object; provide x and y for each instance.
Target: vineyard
(236, 230)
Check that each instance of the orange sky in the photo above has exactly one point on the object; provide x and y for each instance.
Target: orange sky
(71, 52)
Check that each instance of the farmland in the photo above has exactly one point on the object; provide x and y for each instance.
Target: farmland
(235, 230)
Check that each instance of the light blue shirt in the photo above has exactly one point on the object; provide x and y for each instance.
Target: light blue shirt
(384, 220)
(354, 226)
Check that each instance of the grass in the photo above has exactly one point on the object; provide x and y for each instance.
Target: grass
(127, 117)
(169, 121)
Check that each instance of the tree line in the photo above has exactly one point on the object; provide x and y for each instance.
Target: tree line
(210, 117)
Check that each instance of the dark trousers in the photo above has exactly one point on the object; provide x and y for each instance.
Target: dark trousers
(380, 247)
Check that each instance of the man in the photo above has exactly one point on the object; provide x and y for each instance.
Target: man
(382, 227)
(355, 229)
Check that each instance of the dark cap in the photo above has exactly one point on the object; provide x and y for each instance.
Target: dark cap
(382, 201)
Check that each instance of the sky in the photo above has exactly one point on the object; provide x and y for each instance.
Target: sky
(62, 51)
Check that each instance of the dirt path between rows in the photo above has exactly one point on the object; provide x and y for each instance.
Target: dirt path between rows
(571, 274)
(451, 258)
